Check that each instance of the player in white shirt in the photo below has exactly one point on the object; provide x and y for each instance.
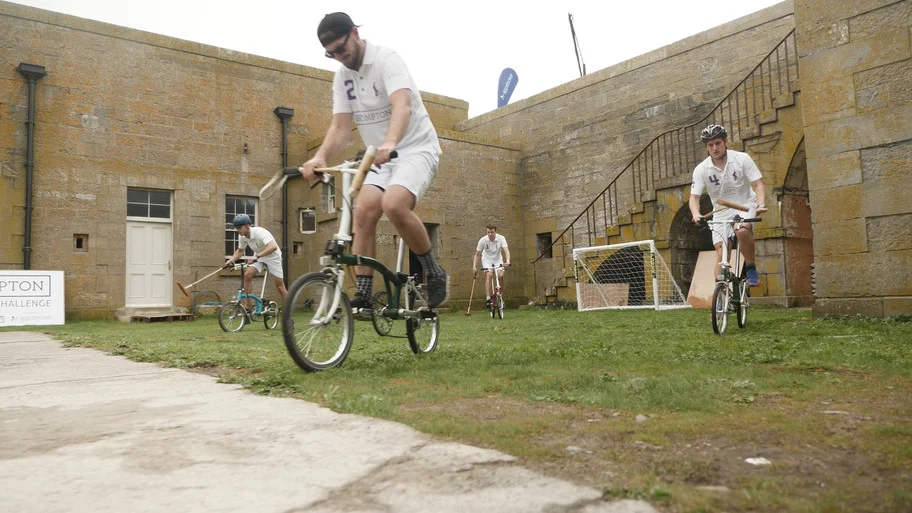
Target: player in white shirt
(732, 176)
(266, 254)
(489, 248)
(373, 89)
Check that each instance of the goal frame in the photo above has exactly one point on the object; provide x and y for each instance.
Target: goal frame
(655, 259)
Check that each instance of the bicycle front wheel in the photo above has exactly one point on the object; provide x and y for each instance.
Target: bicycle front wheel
(423, 333)
(499, 305)
(316, 337)
(744, 303)
(271, 315)
(720, 302)
(232, 316)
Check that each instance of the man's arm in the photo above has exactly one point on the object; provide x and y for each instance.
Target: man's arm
(338, 135)
(401, 101)
(760, 191)
(694, 204)
(475, 261)
(506, 251)
(268, 250)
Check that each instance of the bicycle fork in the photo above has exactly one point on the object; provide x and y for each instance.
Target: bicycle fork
(329, 305)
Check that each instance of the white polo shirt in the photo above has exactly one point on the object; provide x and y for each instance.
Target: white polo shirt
(365, 94)
(731, 184)
(258, 240)
(491, 250)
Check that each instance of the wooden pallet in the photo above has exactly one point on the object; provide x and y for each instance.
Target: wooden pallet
(171, 317)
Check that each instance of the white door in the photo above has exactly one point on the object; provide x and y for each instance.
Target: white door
(149, 264)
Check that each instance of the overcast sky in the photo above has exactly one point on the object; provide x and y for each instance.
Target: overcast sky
(457, 49)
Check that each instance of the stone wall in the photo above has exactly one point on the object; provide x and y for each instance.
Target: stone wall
(123, 108)
(576, 137)
(856, 65)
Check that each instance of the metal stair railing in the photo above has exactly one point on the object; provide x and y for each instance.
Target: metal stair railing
(676, 152)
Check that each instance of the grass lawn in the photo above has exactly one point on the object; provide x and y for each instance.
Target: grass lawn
(640, 404)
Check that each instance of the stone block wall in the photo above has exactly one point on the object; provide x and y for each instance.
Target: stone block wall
(856, 67)
(123, 108)
(576, 137)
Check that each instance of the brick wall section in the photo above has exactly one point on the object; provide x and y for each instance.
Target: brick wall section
(123, 108)
(576, 137)
(477, 183)
(856, 64)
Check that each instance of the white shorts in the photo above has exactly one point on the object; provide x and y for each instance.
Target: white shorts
(489, 265)
(720, 232)
(415, 172)
(274, 266)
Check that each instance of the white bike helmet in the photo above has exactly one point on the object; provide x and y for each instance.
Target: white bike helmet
(713, 132)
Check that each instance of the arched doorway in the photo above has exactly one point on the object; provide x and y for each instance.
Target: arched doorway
(686, 241)
(798, 247)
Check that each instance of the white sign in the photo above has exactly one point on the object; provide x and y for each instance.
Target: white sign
(30, 298)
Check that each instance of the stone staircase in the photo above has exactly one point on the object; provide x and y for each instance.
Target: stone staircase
(628, 208)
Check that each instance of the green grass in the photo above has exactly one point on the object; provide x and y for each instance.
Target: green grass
(542, 380)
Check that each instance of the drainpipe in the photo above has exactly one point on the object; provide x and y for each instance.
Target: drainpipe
(32, 73)
(284, 114)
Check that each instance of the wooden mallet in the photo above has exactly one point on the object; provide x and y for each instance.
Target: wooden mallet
(185, 287)
(471, 295)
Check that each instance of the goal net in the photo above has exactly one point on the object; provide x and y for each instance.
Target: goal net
(630, 275)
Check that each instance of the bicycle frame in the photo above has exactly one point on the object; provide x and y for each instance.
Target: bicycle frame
(731, 291)
(497, 303)
(336, 259)
(241, 294)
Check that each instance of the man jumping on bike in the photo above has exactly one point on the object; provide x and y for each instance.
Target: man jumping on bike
(373, 89)
(732, 176)
(266, 254)
(489, 248)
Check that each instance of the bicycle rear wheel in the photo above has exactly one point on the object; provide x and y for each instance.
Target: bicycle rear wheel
(232, 316)
(271, 315)
(316, 338)
(743, 303)
(720, 302)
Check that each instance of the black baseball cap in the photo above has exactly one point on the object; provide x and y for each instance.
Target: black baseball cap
(334, 26)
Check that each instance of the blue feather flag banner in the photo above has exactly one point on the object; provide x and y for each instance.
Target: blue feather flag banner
(505, 86)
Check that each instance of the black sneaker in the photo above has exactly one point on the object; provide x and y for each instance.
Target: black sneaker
(489, 304)
(362, 307)
(438, 289)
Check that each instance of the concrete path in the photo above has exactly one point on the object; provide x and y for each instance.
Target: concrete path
(83, 431)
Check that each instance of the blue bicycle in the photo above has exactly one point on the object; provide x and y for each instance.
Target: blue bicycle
(234, 314)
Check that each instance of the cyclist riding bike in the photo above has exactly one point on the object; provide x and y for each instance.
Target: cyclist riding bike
(489, 248)
(266, 254)
(374, 89)
(731, 176)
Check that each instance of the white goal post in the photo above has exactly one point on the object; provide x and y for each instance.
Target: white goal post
(624, 276)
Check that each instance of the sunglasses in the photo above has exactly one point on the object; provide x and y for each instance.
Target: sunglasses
(339, 49)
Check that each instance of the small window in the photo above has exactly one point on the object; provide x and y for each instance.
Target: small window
(297, 248)
(544, 244)
(148, 204)
(307, 220)
(235, 205)
(80, 243)
(329, 196)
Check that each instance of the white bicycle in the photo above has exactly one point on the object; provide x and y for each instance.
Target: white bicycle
(317, 321)
(732, 293)
(497, 302)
